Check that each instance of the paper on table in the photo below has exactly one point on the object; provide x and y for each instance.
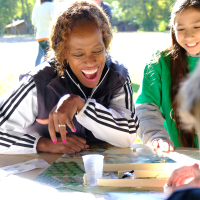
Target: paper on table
(181, 158)
(23, 167)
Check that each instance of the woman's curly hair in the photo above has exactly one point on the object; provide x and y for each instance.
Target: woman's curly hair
(64, 24)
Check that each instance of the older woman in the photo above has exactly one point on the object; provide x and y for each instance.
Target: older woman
(83, 95)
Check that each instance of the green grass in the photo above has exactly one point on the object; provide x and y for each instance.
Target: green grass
(133, 49)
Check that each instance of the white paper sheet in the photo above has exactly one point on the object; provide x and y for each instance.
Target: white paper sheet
(23, 167)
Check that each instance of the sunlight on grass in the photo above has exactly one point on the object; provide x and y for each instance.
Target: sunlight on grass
(137, 141)
(16, 59)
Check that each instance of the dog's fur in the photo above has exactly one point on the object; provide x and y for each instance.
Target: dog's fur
(189, 100)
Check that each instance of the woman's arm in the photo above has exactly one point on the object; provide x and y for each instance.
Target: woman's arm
(18, 110)
(116, 125)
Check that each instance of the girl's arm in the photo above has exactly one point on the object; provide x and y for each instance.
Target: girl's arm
(18, 110)
(117, 124)
(153, 93)
(151, 123)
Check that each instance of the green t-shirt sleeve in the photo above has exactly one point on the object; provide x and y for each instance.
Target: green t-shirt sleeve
(150, 88)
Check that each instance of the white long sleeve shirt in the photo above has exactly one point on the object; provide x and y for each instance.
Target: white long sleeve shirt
(41, 18)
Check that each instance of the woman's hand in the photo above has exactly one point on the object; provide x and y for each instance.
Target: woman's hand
(72, 145)
(63, 114)
(180, 176)
(163, 145)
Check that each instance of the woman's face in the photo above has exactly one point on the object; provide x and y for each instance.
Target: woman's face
(86, 53)
(187, 30)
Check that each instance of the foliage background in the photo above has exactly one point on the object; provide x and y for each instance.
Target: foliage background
(18, 55)
(150, 15)
(15, 9)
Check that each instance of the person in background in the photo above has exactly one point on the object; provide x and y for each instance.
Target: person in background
(156, 104)
(82, 94)
(42, 14)
(106, 8)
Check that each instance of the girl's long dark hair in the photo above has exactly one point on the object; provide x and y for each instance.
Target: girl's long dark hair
(179, 69)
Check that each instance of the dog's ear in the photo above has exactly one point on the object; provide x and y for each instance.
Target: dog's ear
(196, 114)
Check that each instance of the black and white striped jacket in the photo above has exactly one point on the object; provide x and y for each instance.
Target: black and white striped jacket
(108, 114)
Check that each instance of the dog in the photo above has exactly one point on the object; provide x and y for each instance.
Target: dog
(188, 99)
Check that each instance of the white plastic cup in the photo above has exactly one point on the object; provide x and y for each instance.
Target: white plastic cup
(93, 167)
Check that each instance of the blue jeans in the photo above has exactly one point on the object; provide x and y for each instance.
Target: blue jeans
(42, 50)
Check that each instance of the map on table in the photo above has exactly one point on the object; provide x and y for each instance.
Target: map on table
(67, 172)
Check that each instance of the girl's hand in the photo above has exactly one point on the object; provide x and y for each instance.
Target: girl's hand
(163, 145)
(180, 176)
(72, 145)
(63, 114)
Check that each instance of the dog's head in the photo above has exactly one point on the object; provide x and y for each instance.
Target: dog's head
(188, 99)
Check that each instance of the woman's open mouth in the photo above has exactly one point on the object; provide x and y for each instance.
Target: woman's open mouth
(90, 74)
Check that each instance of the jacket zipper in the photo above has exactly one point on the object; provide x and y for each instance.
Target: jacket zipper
(77, 85)
(80, 87)
(99, 83)
(53, 90)
(82, 90)
(112, 90)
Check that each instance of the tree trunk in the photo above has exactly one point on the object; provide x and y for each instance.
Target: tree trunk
(145, 10)
(1, 33)
(22, 1)
(28, 17)
(150, 27)
(11, 9)
(12, 27)
(24, 16)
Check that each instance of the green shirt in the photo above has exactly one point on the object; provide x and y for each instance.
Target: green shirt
(155, 88)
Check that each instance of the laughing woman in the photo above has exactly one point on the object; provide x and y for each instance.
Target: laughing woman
(81, 94)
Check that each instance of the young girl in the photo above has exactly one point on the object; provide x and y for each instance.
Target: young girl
(156, 101)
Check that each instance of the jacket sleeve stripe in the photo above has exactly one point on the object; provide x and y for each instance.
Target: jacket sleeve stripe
(107, 113)
(13, 97)
(15, 106)
(137, 126)
(131, 94)
(29, 136)
(13, 141)
(108, 125)
(23, 145)
(12, 136)
(7, 140)
(5, 145)
(28, 141)
(126, 96)
(106, 118)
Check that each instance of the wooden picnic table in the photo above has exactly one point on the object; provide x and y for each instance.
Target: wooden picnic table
(6, 160)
